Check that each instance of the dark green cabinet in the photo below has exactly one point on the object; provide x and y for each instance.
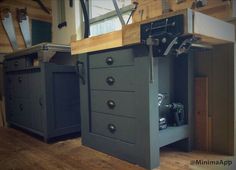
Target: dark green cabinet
(42, 91)
(119, 103)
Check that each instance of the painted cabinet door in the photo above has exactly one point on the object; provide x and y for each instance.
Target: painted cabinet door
(36, 100)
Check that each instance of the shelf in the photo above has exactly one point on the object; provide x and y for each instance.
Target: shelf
(173, 134)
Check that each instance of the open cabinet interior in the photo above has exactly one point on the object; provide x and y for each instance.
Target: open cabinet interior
(174, 74)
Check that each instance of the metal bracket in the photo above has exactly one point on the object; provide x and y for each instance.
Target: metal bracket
(151, 42)
(8, 25)
(23, 20)
(118, 12)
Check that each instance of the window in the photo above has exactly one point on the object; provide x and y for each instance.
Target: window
(101, 7)
(103, 15)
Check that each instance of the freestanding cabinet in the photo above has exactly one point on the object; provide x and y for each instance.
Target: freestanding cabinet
(41, 90)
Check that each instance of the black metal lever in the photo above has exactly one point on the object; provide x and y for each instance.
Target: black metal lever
(82, 72)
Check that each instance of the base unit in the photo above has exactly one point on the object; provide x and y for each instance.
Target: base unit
(119, 102)
(41, 91)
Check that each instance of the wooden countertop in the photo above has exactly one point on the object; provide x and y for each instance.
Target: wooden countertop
(209, 29)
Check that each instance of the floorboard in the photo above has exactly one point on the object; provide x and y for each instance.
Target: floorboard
(21, 151)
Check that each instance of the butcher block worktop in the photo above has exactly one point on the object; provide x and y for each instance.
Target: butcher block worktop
(211, 31)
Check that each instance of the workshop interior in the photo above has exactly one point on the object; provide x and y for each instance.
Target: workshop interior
(117, 84)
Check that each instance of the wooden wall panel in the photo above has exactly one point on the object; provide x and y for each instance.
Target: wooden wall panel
(34, 12)
(217, 64)
(152, 8)
(201, 114)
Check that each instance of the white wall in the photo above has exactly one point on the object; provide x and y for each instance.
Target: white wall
(74, 23)
(234, 8)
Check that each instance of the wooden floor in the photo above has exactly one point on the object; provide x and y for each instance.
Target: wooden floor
(20, 151)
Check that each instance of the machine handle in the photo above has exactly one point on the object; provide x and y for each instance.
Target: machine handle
(110, 81)
(109, 60)
(111, 128)
(111, 104)
(82, 72)
(21, 107)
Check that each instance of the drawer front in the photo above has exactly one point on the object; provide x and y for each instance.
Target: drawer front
(21, 86)
(121, 78)
(120, 128)
(15, 64)
(21, 112)
(9, 103)
(123, 57)
(17, 85)
(118, 103)
(9, 81)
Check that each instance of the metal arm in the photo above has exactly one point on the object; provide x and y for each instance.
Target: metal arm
(118, 12)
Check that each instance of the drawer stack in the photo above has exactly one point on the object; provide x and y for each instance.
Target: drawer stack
(23, 94)
(112, 95)
(19, 91)
(119, 103)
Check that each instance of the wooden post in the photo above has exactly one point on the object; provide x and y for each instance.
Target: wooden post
(73, 17)
(202, 129)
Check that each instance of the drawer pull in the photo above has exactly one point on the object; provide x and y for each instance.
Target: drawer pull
(21, 107)
(111, 104)
(111, 128)
(16, 63)
(110, 81)
(109, 60)
(19, 79)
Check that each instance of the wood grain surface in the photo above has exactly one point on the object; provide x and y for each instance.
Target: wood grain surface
(23, 152)
(34, 12)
